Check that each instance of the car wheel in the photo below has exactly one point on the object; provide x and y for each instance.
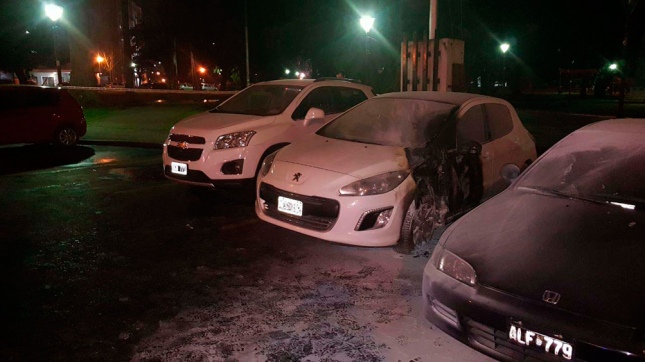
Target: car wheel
(66, 136)
(419, 224)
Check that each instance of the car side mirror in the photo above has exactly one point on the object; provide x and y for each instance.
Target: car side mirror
(471, 147)
(510, 172)
(314, 115)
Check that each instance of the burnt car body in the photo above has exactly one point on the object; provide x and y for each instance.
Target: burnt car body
(552, 268)
(391, 170)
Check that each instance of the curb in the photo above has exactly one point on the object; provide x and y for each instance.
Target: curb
(121, 143)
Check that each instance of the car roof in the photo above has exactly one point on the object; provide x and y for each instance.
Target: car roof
(324, 81)
(620, 125)
(299, 82)
(455, 98)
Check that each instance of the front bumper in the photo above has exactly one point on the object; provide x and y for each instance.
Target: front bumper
(350, 211)
(207, 167)
(481, 316)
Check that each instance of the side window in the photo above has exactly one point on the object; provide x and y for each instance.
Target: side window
(499, 120)
(12, 98)
(41, 98)
(322, 98)
(471, 127)
(348, 98)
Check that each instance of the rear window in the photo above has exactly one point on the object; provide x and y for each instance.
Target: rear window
(593, 164)
(499, 120)
(42, 97)
(390, 122)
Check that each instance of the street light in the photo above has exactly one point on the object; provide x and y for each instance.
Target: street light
(99, 60)
(613, 66)
(366, 23)
(504, 47)
(54, 13)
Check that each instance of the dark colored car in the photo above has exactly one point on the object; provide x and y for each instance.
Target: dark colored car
(552, 268)
(30, 114)
(154, 86)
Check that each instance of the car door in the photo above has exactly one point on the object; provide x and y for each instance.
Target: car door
(472, 127)
(506, 143)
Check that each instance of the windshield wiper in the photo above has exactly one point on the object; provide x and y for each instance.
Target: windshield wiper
(556, 193)
(627, 202)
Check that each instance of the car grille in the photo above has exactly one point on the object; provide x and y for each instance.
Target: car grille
(318, 213)
(498, 341)
(186, 138)
(188, 154)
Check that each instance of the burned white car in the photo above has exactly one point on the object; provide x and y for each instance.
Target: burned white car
(394, 168)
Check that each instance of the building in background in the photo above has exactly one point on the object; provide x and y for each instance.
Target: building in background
(101, 45)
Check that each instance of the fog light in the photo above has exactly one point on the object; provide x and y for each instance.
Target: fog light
(374, 219)
(233, 167)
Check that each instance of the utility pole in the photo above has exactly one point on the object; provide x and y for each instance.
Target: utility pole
(127, 47)
(434, 8)
(246, 37)
(192, 67)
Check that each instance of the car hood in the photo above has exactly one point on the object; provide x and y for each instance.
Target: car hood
(524, 243)
(214, 124)
(359, 160)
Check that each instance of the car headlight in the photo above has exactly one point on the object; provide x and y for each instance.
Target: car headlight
(233, 140)
(453, 266)
(375, 185)
(267, 163)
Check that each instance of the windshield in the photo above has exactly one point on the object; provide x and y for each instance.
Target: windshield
(390, 122)
(605, 166)
(260, 100)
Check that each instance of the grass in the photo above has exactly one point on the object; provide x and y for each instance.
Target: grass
(137, 124)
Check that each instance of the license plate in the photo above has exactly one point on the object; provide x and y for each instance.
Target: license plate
(551, 345)
(179, 168)
(290, 206)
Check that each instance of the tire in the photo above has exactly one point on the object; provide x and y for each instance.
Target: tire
(66, 136)
(419, 224)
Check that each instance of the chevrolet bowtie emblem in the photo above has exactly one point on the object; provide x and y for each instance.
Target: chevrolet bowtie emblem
(296, 177)
(183, 145)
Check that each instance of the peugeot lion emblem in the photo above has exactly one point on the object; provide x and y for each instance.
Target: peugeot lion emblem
(183, 145)
(551, 297)
(296, 177)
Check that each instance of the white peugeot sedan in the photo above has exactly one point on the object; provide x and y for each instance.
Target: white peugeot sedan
(227, 144)
(394, 168)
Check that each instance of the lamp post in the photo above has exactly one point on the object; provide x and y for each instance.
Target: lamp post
(504, 47)
(54, 13)
(367, 22)
(99, 60)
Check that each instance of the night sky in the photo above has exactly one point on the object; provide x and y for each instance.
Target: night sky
(325, 37)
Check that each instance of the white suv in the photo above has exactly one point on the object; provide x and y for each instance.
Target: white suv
(227, 144)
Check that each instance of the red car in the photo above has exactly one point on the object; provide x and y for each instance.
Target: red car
(31, 114)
